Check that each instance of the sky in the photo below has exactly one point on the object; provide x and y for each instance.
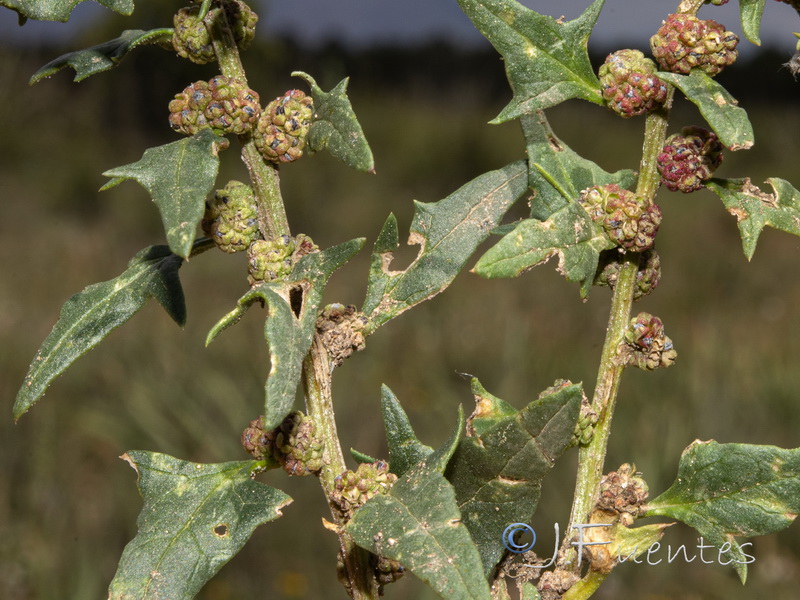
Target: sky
(622, 23)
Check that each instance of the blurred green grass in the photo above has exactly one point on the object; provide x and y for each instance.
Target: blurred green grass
(68, 506)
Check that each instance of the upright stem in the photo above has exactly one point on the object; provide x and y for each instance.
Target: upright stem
(264, 177)
(591, 458)
(361, 583)
(319, 404)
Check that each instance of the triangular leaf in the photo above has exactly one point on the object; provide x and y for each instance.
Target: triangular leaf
(293, 307)
(59, 10)
(547, 62)
(489, 410)
(335, 126)
(750, 12)
(717, 106)
(755, 209)
(102, 57)
(448, 231)
(557, 174)
(178, 177)
(195, 518)
(727, 490)
(569, 233)
(419, 525)
(405, 450)
(498, 475)
(89, 316)
(440, 458)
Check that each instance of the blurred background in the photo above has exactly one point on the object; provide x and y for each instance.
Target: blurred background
(68, 505)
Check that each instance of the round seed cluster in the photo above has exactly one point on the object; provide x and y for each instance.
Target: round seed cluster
(629, 84)
(283, 127)
(631, 222)
(689, 159)
(685, 42)
(223, 104)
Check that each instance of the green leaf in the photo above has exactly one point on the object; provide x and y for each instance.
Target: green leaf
(102, 57)
(294, 305)
(569, 233)
(336, 127)
(557, 173)
(717, 106)
(195, 518)
(629, 543)
(750, 12)
(178, 177)
(448, 231)
(440, 458)
(59, 10)
(89, 316)
(546, 62)
(727, 490)
(755, 209)
(418, 524)
(405, 450)
(489, 410)
(498, 474)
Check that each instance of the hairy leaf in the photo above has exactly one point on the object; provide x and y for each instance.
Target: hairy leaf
(750, 12)
(448, 232)
(59, 10)
(755, 209)
(569, 233)
(89, 316)
(727, 490)
(405, 450)
(556, 173)
(294, 306)
(717, 106)
(498, 474)
(336, 127)
(418, 524)
(178, 177)
(195, 518)
(546, 61)
(102, 57)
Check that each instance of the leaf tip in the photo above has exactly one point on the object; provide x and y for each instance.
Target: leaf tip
(128, 459)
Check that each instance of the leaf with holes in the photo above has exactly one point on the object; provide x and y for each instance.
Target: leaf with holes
(448, 231)
(419, 525)
(89, 316)
(499, 466)
(102, 57)
(59, 10)
(720, 110)
(195, 518)
(547, 61)
(755, 209)
(729, 490)
(178, 177)
(556, 173)
(336, 127)
(293, 306)
(568, 233)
